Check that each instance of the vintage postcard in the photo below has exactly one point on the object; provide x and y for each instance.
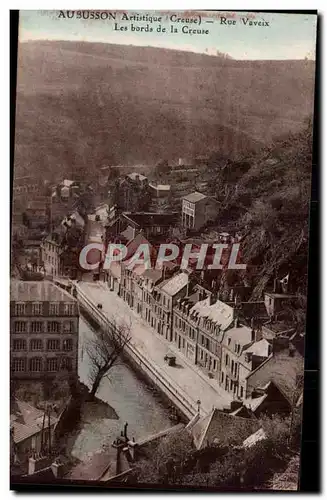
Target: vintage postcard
(160, 214)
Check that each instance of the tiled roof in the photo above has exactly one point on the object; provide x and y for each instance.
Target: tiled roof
(175, 284)
(260, 348)
(219, 312)
(241, 335)
(194, 197)
(134, 244)
(223, 429)
(26, 420)
(38, 291)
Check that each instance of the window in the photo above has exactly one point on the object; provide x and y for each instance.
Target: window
(53, 345)
(52, 364)
(229, 340)
(36, 326)
(54, 309)
(36, 345)
(66, 364)
(36, 364)
(18, 365)
(20, 308)
(241, 392)
(20, 326)
(67, 345)
(19, 345)
(68, 326)
(232, 366)
(222, 376)
(53, 327)
(37, 308)
(226, 360)
(69, 309)
(215, 364)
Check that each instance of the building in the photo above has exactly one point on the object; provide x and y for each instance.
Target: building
(197, 210)
(31, 431)
(223, 429)
(151, 305)
(275, 302)
(167, 293)
(284, 367)
(199, 326)
(243, 350)
(133, 193)
(161, 196)
(51, 256)
(43, 330)
(152, 224)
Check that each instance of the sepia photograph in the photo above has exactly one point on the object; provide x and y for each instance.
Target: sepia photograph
(160, 214)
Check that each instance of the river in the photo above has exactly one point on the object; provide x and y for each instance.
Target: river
(128, 399)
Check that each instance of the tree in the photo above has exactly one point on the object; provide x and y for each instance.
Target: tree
(168, 462)
(105, 350)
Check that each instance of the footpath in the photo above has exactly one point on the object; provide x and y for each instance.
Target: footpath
(187, 378)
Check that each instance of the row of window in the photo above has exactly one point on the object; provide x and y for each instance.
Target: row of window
(38, 345)
(182, 325)
(44, 326)
(232, 364)
(37, 309)
(39, 364)
(231, 385)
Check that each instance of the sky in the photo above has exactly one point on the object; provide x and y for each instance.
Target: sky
(287, 36)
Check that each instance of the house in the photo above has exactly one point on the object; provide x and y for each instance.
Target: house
(197, 210)
(31, 431)
(284, 367)
(199, 328)
(167, 294)
(222, 429)
(161, 195)
(51, 255)
(131, 284)
(152, 224)
(243, 349)
(44, 321)
(267, 399)
(132, 192)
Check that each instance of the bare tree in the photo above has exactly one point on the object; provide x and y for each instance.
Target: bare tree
(105, 350)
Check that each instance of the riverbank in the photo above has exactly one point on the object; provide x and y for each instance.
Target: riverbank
(183, 384)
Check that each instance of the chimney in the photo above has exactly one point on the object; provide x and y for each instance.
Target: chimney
(31, 465)
(132, 448)
(276, 285)
(57, 469)
(236, 322)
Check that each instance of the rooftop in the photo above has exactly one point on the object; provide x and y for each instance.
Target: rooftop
(260, 348)
(38, 291)
(175, 284)
(149, 219)
(194, 197)
(240, 334)
(26, 420)
(134, 176)
(160, 187)
(222, 429)
(219, 312)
